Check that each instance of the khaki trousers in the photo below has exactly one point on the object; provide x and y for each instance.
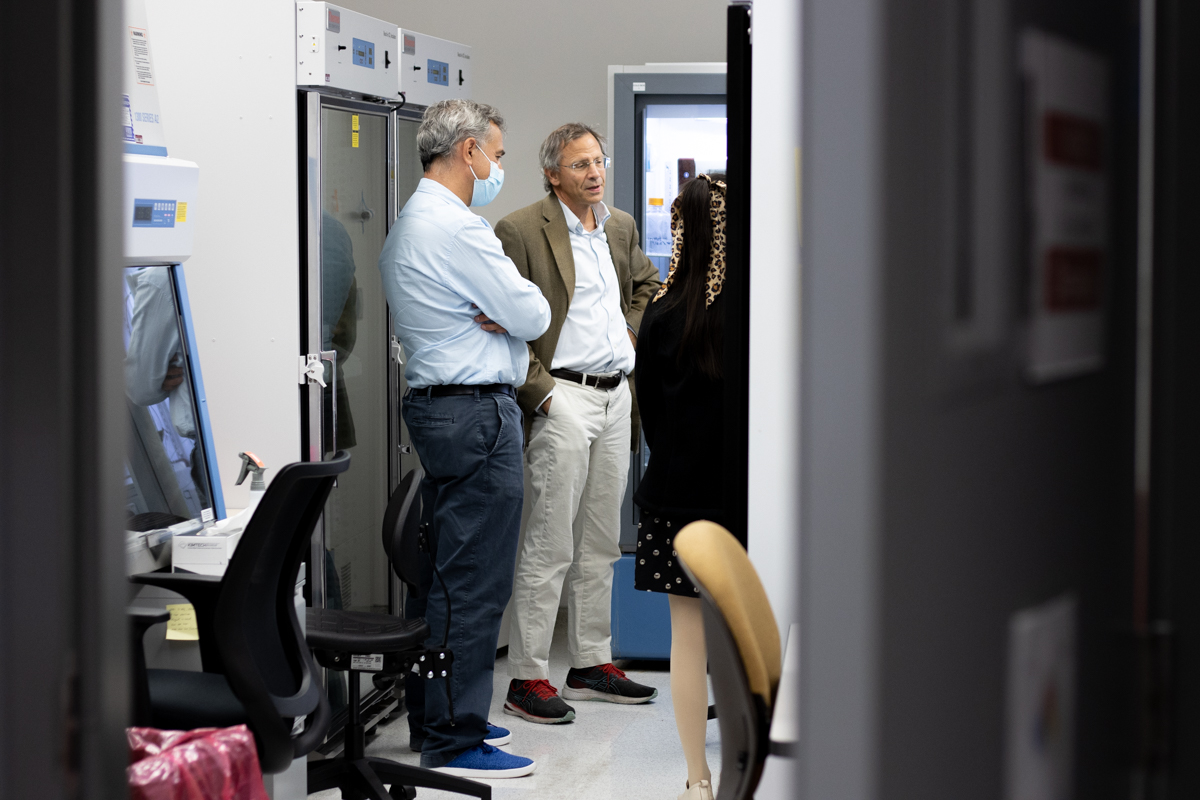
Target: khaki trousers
(576, 469)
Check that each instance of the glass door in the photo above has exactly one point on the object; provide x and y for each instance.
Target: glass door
(348, 209)
(353, 337)
(407, 174)
(676, 137)
(679, 140)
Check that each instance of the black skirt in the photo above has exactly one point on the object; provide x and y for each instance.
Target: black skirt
(657, 567)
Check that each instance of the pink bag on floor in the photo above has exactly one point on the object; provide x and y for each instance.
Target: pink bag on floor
(201, 764)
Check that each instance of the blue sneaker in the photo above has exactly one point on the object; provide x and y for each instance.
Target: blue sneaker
(485, 761)
(497, 736)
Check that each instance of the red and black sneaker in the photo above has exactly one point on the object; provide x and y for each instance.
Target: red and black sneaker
(606, 682)
(537, 701)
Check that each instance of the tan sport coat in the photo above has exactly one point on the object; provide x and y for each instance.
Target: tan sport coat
(536, 239)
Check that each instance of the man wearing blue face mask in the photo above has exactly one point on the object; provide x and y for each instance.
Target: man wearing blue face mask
(464, 316)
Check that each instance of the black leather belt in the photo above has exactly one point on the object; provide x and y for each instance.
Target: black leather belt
(450, 389)
(600, 382)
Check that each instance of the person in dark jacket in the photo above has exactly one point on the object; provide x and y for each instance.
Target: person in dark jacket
(680, 391)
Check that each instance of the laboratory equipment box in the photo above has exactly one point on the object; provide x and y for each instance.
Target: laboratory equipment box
(342, 49)
(433, 69)
(160, 206)
(204, 552)
(641, 621)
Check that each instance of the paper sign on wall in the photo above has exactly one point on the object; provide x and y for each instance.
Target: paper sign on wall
(142, 130)
(1068, 151)
(1041, 702)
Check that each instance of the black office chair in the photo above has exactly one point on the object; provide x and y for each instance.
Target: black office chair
(257, 666)
(349, 640)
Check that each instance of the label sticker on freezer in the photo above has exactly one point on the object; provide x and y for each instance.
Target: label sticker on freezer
(639, 86)
(439, 72)
(153, 213)
(181, 211)
(334, 23)
(410, 45)
(367, 663)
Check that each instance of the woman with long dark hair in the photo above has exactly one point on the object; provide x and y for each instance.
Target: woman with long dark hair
(679, 393)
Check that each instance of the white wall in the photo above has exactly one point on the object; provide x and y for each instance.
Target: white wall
(774, 473)
(775, 304)
(226, 82)
(545, 63)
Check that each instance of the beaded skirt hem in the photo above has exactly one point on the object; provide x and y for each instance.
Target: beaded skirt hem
(657, 568)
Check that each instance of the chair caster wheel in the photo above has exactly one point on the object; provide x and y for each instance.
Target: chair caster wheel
(403, 792)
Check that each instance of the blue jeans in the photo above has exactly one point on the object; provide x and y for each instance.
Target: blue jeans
(471, 449)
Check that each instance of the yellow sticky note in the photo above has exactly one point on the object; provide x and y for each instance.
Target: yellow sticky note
(354, 139)
(354, 122)
(182, 624)
(181, 211)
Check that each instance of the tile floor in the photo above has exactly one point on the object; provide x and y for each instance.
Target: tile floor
(609, 751)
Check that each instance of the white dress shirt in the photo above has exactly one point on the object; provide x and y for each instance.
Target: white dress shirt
(595, 336)
(439, 259)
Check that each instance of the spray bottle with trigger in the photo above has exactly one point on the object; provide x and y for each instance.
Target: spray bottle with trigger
(252, 465)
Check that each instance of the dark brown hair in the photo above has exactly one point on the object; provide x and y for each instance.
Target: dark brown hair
(702, 343)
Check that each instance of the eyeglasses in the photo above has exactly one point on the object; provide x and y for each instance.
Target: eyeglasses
(599, 163)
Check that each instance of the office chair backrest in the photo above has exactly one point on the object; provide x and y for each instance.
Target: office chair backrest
(743, 650)
(261, 642)
(401, 527)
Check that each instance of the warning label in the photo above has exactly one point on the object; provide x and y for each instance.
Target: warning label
(140, 43)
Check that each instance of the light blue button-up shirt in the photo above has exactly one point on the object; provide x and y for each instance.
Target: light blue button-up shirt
(594, 337)
(439, 259)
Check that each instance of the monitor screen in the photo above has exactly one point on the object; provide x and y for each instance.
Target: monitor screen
(170, 471)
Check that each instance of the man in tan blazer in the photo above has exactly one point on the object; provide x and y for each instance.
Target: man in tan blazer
(579, 423)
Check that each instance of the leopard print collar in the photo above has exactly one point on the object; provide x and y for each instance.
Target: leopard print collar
(716, 266)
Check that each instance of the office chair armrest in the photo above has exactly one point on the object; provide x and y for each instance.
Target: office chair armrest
(315, 729)
(202, 592)
(141, 619)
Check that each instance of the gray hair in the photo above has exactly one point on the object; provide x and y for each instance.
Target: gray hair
(449, 123)
(561, 137)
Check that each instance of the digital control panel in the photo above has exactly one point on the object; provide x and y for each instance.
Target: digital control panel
(364, 54)
(438, 72)
(153, 213)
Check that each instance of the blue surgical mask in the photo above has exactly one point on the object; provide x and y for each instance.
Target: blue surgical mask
(485, 190)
